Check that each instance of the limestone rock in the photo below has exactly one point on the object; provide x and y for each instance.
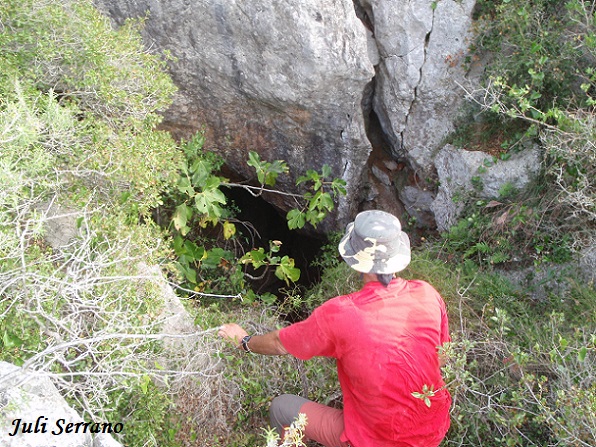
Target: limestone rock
(422, 46)
(283, 78)
(105, 440)
(32, 397)
(297, 81)
(60, 224)
(464, 173)
(587, 264)
(418, 205)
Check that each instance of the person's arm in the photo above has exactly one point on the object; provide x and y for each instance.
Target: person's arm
(267, 344)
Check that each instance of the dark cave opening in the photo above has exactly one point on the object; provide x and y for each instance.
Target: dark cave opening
(262, 223)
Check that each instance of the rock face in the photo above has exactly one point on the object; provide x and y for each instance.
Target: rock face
(421, 46)
(297, 80)
(34, 399)
(283, 78)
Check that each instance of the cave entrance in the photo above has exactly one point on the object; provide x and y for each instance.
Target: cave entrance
(262, 222)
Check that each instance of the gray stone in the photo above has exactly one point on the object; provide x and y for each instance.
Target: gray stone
(518, 171)
(463, 174)
(455, 169)
(381, 175)
(418, 205)
(60, 224)
(105, 440)
(439, 95)
(422, 50)
(291, 79)
(31, 397)
(587, 264)
(540, 283)
(176, 320)
(283, 78)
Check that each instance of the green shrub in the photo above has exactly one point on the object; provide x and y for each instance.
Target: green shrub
(211, 255)
(89, 95)
(542, 74)
(78, 117)
(544, 46)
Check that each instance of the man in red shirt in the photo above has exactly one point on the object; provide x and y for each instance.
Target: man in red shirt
(385, 339)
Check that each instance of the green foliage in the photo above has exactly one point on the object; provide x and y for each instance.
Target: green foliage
(267, 173)
(542, 74)
(507, 234)
(78, 103)
(198, 201)
(293, 435)
(78, 117)
(541, 48)
(425, 395)
(251, 381)
(73, 49)
(319, 201)
(150, 409)
(198, 189)
(284, 266)
(88, 95)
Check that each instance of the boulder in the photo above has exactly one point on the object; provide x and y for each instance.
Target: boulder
(297, 80)
(283, 78)
(27, 397)
(417, 203)
(587, 264)
(463, 174)
(59, 224)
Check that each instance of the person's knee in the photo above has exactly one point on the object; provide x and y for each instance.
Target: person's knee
(284, 409)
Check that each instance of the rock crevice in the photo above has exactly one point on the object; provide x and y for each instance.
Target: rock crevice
(294, 81)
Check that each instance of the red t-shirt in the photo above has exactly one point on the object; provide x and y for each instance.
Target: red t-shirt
(385, 341)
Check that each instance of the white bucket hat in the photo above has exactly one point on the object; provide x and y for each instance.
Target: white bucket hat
(374, 243)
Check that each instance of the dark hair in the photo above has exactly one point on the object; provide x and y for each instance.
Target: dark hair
(384, 278)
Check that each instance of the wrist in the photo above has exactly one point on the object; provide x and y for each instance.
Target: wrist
(244, 343)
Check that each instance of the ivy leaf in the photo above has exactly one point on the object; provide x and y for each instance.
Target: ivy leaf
(254, 257)
(10, 340)
(185, 187)
(267, 173)
(326, 202)
(296, 219)
(273, 171)
(254, 160)
(207, 202)
(338, 187)
(189, 273)
(286, 270)
(268, 298)
(201, 170)
(193, 250)
(179, 245)
(214, 257)
(229, 230)
(581, 355)
(182, 215)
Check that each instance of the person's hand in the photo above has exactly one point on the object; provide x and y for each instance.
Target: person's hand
(232, 332)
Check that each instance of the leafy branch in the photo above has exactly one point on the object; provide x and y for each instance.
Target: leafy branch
(201, 201)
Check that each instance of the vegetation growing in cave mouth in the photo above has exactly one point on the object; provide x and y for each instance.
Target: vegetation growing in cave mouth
(79, 115)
